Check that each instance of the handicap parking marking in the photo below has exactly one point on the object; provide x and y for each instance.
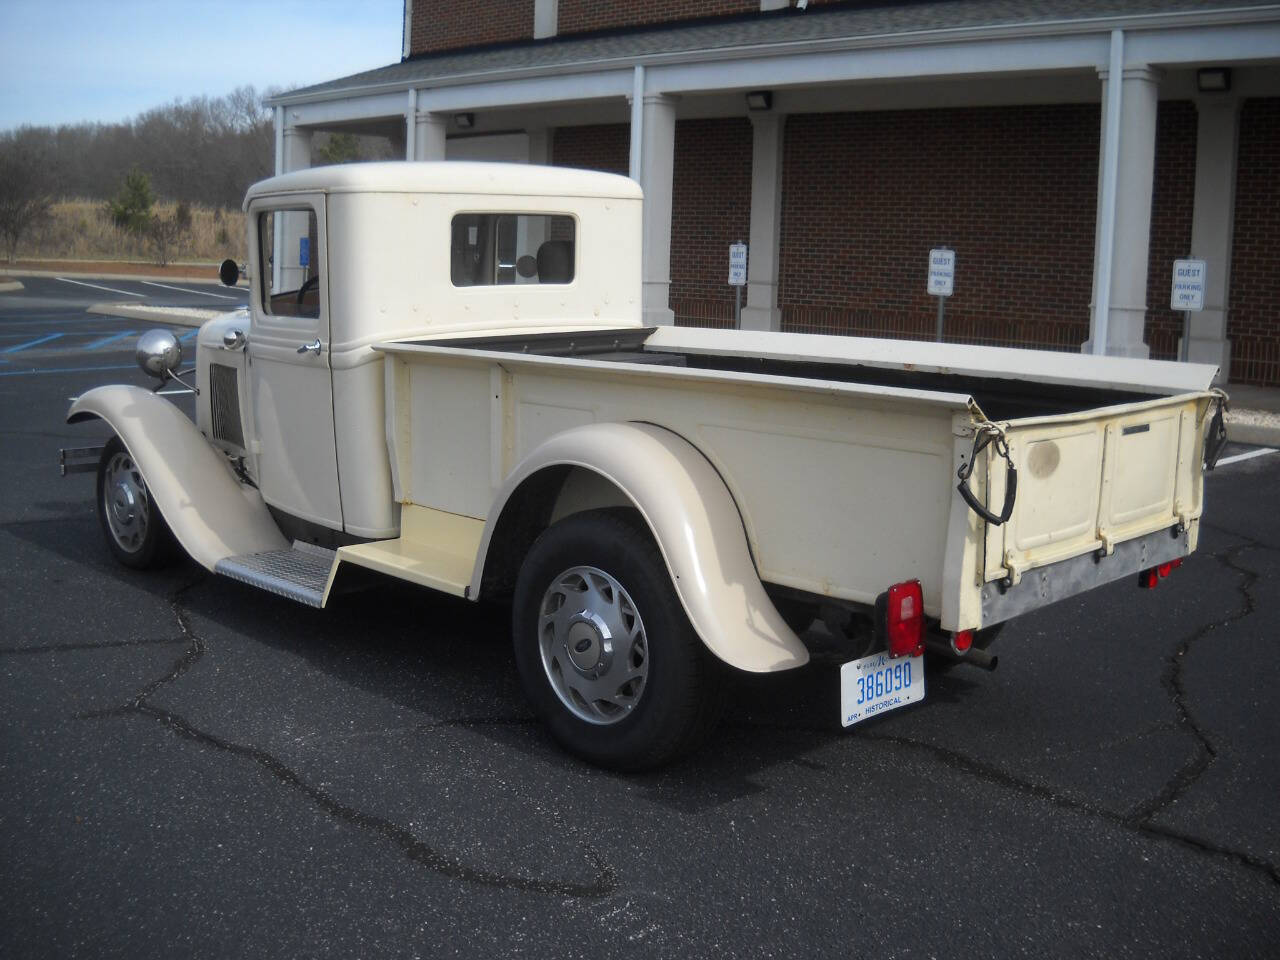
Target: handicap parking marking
(188, 335)
(203, 293)
(98, 286)
(112, 338)
(32, 343)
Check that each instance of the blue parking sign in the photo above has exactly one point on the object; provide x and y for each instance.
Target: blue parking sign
(304, 251)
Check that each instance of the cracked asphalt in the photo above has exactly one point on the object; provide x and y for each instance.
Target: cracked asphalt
(191, 768)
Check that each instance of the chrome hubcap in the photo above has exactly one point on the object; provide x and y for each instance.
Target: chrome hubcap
(125, 501)
(593, 645)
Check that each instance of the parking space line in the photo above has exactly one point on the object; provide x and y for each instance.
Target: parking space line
(111, 339)
(31, 343)
(1248, 455)
(97, 286)
(36, 373)
(203, 293)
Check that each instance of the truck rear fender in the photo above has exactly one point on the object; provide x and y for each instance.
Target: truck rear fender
(690, 512)
(211, 513)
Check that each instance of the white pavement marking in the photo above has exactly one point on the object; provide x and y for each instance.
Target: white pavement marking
(96, 286)
(203, 293)
(1260, 452)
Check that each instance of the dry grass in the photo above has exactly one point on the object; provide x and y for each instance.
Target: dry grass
(82, 230)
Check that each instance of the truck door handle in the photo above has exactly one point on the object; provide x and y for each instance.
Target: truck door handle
(313, 346)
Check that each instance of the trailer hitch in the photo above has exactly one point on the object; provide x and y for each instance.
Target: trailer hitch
(988, 434)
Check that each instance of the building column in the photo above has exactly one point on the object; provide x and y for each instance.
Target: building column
(1135, 171)
(1212, 226)
(546, 18)
(657, 166)
(296, 151)
(429, 135)
(287, 273)
(540, 142)
(761, 311)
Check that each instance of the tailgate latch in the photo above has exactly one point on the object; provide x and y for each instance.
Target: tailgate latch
(988, 433)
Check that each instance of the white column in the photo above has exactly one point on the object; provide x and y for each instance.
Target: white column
(657, 166)
(540, 139)
(411, 125)
(296, 148)
(546, 17)
(429, 136)
(761, 311)
(1212, 225)
(1135, 171)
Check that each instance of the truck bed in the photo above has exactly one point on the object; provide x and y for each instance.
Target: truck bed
(842, 454)
(1001, 398)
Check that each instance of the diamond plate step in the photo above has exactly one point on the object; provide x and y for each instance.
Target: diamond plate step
(300, 573)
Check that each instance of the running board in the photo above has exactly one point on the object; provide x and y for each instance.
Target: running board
(301, 573)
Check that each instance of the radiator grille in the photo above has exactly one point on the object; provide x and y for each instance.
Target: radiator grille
(224, 404)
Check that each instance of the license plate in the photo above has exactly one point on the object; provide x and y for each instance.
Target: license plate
(877, 684)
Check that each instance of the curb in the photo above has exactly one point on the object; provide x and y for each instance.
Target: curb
(1254, 434)
(156, 277)
(175, 316)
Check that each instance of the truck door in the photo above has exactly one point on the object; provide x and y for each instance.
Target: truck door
(289, 374)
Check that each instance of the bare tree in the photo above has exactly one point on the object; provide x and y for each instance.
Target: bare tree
(27, 185)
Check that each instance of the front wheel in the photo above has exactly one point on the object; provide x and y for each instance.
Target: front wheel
(604, 650)
(136, 533)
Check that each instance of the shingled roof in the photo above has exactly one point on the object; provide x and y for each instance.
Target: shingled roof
(758, 32)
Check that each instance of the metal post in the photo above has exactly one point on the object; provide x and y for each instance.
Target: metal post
(942, 306)
(1184, 348)
(737, 308)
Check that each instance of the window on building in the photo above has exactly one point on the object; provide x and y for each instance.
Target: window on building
(289, 251)
(497, 249)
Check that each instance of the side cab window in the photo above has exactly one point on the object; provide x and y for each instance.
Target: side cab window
(290, 257)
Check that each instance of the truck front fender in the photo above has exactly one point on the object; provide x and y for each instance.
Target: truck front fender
(696, 525)
(211, 513)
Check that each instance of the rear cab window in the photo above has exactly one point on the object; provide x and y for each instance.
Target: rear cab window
(500, 249)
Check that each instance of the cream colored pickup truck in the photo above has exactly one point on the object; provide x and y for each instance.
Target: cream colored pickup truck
(443, 376)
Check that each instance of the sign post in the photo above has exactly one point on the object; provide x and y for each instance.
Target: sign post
(737, 278)
(942, 277)
(1187, 295)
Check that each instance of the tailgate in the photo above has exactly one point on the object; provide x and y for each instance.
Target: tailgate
(1090, 481)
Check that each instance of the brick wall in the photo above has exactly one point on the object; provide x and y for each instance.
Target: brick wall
(578, 16)
(1254, 298)
(604, 147)
(439, 25)
(1172, 203)
(711, 208)
(1012, 189)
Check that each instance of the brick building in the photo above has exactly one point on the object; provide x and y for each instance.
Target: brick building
(843, 140)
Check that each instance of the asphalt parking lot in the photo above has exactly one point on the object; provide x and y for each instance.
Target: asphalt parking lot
(189, 767)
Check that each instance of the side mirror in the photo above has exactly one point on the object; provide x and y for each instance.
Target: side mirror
(229, 272)
(159, 354)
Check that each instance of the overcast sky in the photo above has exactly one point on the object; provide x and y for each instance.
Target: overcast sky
(64, 61)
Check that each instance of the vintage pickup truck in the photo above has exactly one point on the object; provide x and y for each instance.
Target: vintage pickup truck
(443, 376)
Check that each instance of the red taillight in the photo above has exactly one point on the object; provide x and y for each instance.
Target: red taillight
(961, 641)
(904, 619)
(1148, 578)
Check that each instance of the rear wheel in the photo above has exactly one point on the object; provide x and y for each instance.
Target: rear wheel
(603, 648)
(136, 533)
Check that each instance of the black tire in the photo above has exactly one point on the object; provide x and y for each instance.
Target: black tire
(609, 555)
(136, 532)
